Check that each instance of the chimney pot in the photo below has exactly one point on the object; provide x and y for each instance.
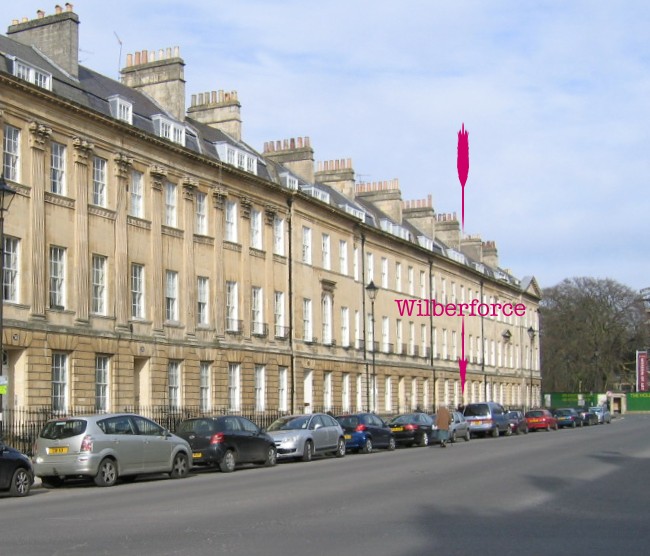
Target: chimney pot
(177, 52)
(129, 60)
(25, 19)
(68, 6)
(40, 14)
(58, 9)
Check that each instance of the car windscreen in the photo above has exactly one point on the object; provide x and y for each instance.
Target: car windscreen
(401, 419)
(563, 412)
(198, 426)
(535, 414)
(289, 423)
(476, 410)
(65, 428)
(349, 422)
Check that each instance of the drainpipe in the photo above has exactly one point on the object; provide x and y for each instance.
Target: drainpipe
(364, 318)
(290, 287)
(433, 369)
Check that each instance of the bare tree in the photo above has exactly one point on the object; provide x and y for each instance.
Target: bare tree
(590, 331)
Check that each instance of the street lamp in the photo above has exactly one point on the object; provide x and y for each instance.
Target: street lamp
(372, 294)
(531, 335)
(6, 197)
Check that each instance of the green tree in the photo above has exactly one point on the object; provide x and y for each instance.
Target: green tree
(590, 331)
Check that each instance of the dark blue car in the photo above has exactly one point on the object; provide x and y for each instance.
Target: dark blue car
(366, 431)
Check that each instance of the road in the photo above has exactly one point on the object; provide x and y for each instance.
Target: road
(572, 492)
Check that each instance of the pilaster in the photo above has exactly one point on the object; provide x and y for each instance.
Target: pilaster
(189, 189)
(81, 153)
(157, 175)
(122, 165)
(39, 135)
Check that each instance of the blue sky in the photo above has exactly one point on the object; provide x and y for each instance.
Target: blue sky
(555, 96)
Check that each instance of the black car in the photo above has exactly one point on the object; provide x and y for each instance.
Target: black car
(16, 473)
(588, 418)
(227, 441)
(366, 431)
(568, 417)
(518, 423)
(412, 428)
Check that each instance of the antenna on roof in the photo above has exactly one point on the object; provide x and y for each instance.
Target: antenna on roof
(119, 61)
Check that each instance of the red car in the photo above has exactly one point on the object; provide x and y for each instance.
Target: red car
(540, 419)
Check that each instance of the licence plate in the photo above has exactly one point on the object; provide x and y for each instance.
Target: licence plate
(397, 429)
(535, 420)
(197, 455)
(348, 436)
(59, 450)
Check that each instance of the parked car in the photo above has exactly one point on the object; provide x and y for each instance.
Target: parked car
(603, 414)
(517, 420)
(541, 419)
(568, 417)
(412, 428)
(226, 441)
(16, 472)
(303, 436)
(487, 418)
(588, 417)
(458, 428)
(107, 447)
(366, 431)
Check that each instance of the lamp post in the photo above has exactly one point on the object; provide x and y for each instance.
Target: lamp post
(6, 197)
(372, 294)
(531, 335)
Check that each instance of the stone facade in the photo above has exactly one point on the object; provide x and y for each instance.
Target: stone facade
(144, 272)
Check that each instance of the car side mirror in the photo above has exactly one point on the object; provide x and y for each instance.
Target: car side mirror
(317, 426)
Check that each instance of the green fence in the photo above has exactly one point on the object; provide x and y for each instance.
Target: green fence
(638, 401)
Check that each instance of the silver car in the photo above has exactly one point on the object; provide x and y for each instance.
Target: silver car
(458, 428)
(302, 436)
(603, 414)
(105, 447)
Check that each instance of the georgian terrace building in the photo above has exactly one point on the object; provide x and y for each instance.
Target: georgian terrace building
(153, 258)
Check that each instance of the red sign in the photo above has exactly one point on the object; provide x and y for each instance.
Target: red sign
(641, 371)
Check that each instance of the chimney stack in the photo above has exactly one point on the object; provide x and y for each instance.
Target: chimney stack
(490, 254)
(420, 213)
(161, 76)
(385, 195)
(448, 230)
(296, 154)
(338, 174)
(218, 109)
(56, 36)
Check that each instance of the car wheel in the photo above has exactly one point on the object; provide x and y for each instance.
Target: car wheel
(424, 440)
(367, 446)
(340, 448)
(180, 466)
(21, 482)
(468, 436)
(453, 437)
(271, 456)
(107, 473)
(495, 432)
(227, 464)
(51, 482)
(308, 451)
(391, 444)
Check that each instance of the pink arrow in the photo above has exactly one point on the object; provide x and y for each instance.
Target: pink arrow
(462, 362)
(462, 164)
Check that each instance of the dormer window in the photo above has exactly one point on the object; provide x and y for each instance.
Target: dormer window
(354, 211)
(289, 181)
(121, 109)
(237, 157)
(169, 129)
(34, 75)
(317, 193)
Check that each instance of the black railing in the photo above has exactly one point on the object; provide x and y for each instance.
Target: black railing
(281, 332)
(234, 326)
(19, 427)
(260, 329)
